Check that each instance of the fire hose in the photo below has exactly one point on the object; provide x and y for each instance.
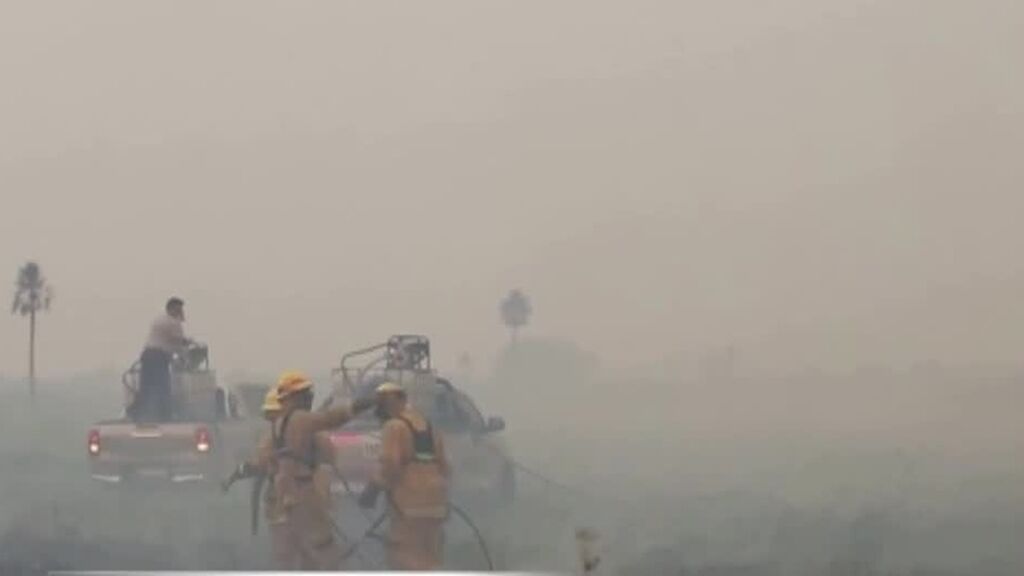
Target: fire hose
(481, 542)
(371, 532)
(258, 482)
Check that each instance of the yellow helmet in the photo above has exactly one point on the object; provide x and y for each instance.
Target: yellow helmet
(270, 401)
(291, 382)
(390, 388)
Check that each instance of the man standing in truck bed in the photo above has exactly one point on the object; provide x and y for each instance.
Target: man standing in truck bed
(166, 338)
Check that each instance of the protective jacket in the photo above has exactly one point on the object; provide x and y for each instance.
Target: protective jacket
(300, 494)
(415, 472)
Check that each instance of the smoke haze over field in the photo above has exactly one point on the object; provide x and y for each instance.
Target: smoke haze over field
(777, 245)
(834, 180)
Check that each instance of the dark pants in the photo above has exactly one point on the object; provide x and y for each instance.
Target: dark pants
(153, 402)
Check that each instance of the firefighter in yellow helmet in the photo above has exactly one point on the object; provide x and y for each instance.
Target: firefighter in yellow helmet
(271, 405)
(414, 471)
(306, 540)
(323, 448)
(259, 463)
(326, 467)
(260, 468)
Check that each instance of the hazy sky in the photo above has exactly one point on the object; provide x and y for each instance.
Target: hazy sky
(806, 179)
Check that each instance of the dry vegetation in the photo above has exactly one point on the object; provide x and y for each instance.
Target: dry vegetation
(671, 489)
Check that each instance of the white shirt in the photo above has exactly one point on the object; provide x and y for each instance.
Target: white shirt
(166, 333)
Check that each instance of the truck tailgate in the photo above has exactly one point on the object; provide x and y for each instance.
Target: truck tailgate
(162, 443)
(355, 455)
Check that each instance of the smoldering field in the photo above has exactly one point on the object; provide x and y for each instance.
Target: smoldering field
(832, 187)
(828, 472)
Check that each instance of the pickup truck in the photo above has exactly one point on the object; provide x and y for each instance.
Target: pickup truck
(214, 429)
(483, 470)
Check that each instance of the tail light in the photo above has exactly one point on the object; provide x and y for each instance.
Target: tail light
(203, 440)
(371, 450)
(94, 442)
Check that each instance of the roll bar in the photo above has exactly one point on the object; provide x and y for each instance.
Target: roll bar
(400, 352)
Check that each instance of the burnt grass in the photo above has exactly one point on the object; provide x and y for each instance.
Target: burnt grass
(23, 553)
(52, 517)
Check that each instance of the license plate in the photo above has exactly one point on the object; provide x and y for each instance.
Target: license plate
(371, 450)
(355, 487)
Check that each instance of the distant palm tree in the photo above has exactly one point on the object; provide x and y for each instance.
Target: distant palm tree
(32, 294)
(515, 312)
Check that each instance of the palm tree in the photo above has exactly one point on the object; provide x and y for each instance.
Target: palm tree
(515, 312)
(32, 294)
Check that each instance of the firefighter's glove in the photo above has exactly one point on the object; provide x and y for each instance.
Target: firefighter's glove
(368, 498)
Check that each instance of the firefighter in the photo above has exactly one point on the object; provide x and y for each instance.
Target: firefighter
(326, 468)
(271, 405)
(259, 468)
(306, 539)
(414, 472)
(259, 464)
(323, 449)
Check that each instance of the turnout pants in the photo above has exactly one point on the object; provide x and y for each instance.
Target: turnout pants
(415, 543)
(304, 538)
